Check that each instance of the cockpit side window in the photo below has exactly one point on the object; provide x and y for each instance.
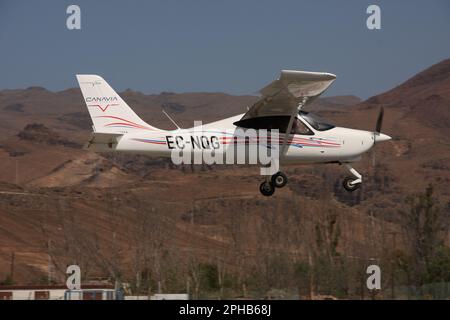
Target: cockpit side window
(275, 122)
(316, 122)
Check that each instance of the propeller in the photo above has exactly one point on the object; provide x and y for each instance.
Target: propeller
(379, 121)
(377, 135)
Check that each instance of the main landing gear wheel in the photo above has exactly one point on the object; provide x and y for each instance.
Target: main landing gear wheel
(267, 188)
(279, 179)
(349, 185)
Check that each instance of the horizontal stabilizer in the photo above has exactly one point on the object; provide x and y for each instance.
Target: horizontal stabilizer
(101, 142)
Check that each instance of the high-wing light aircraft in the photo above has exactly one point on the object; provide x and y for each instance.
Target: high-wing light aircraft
(304, 137)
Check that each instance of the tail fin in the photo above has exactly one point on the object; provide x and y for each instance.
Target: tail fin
(109, 113)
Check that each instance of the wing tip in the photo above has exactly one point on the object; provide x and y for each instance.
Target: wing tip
(307, 74)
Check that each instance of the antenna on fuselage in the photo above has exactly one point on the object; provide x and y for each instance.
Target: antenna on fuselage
(170, 118)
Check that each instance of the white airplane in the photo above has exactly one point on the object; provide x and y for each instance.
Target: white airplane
(304, 137)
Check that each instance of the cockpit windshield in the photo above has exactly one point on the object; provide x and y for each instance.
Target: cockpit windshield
(316, 122)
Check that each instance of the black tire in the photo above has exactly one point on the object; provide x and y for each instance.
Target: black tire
(279, 179)
(267, 189)
(348, 186)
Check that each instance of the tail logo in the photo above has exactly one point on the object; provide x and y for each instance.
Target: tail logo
(102, 99)
(101, 108)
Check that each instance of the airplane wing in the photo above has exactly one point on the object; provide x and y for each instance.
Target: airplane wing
(292, 91)
(288, 94)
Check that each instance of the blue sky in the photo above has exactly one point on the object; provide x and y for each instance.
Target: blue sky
(229, 46)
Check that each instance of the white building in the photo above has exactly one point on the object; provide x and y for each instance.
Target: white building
(53, 292)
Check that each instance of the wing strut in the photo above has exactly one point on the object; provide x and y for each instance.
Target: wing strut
(291, 123)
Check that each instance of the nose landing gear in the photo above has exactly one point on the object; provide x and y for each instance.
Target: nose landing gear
(278, 180)
(352, 183)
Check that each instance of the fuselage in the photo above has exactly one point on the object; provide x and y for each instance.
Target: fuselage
(336, 144)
